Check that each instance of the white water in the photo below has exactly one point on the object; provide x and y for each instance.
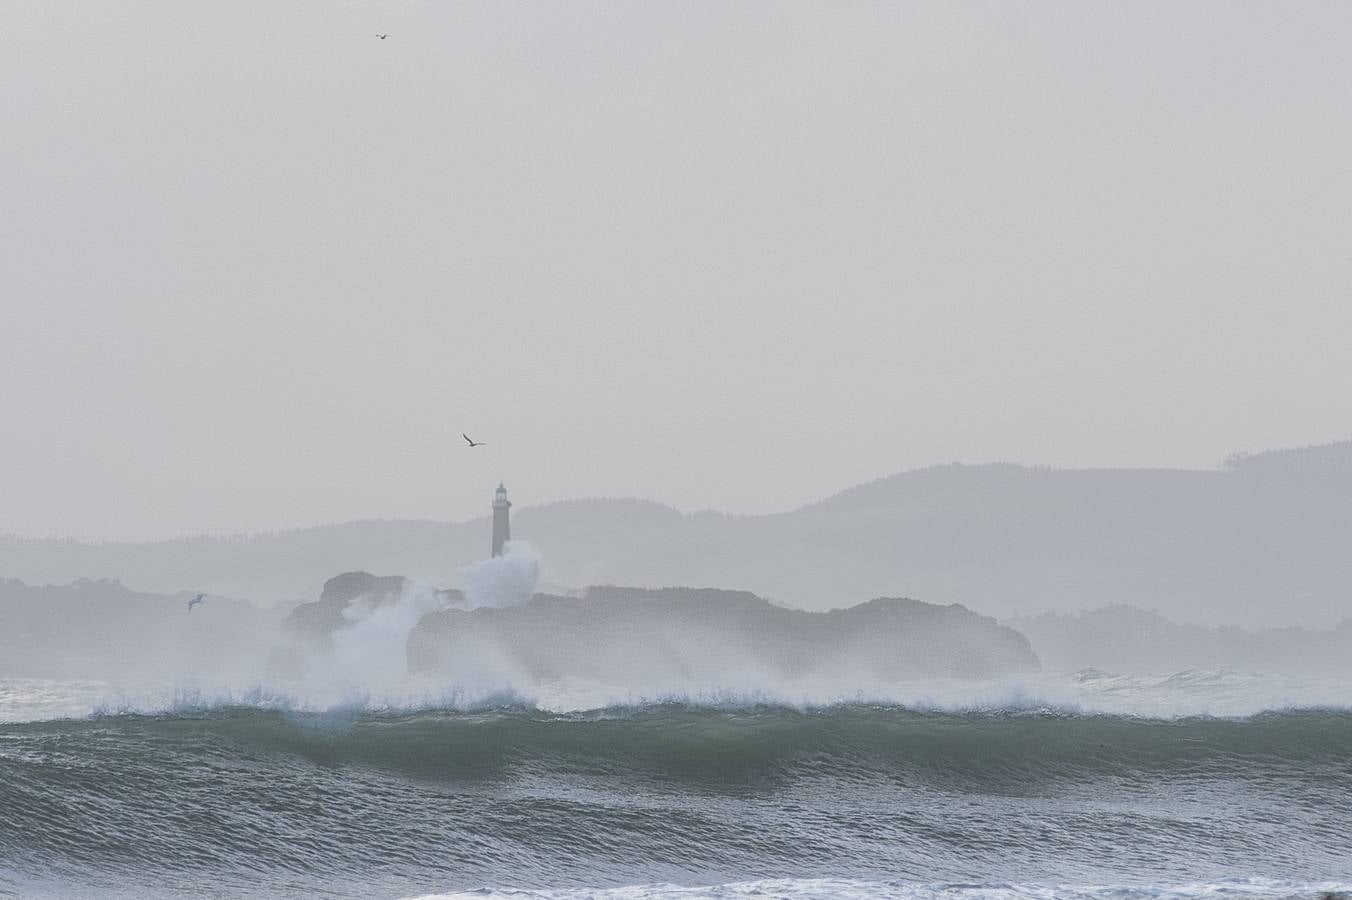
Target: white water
(1225, 694)
(367, 670)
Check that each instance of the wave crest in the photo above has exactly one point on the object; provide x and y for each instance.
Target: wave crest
(1215, 694)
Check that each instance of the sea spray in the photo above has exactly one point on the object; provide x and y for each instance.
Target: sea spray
(363, 662)
(503, 581)
(371, 649)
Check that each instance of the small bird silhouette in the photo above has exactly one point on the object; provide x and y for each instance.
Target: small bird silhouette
(472, 442)
(382, 36)
(200, 598)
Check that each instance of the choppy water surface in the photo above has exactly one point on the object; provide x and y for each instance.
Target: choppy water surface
(948, 798)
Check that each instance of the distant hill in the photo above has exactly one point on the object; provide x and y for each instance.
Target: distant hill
(100, 629)
(1125, 639)
(1262, 541)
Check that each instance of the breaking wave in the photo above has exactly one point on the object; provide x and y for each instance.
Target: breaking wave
(1193, 694)
(359, 801)
(993, 749)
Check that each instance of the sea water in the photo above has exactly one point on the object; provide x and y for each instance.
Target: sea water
(1085, 785)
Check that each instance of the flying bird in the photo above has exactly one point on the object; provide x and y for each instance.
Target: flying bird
(471, 441)
(382, 36)
(200, 598)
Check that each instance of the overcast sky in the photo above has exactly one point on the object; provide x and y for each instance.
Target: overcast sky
(259, 269)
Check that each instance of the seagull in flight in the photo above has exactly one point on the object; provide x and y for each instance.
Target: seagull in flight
(471, 441)
(200, 598)
(382, 36)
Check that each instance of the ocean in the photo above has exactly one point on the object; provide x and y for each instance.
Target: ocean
(1200, 784)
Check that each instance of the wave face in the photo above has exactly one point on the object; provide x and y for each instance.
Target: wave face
(352, 802)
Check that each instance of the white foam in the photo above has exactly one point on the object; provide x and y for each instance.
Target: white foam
(506, 580)
(1222, 694)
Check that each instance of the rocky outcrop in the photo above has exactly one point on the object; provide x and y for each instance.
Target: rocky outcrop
(630, 635)
(314, 623)
(1123, 638)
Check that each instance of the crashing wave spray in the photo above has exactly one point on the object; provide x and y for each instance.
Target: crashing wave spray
(366, 660)
(370, 650)
(503, 581)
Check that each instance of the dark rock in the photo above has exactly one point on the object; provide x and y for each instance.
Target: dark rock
(315, 622)
(623, 635)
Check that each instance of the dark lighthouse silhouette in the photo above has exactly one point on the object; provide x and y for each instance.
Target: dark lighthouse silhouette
(502, 526)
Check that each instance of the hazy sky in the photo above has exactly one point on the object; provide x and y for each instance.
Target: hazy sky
(258, 269)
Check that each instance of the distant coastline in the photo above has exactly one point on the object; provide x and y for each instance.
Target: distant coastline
(97, 629)
(1259, 543)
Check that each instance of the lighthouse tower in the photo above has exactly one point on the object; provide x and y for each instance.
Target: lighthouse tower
(502, 526)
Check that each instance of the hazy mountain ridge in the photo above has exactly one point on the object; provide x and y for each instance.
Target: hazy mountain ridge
(1319, 458)
(100, 629)
(268, 567)
(1124, 639)
(1260, 542)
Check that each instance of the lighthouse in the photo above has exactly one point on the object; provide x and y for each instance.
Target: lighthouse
(502, 526)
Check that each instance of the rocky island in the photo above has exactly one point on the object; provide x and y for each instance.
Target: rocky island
(625, 635)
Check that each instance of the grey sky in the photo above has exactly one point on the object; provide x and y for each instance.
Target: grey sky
(259, 269)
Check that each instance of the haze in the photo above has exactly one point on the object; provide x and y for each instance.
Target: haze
(260, 269)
